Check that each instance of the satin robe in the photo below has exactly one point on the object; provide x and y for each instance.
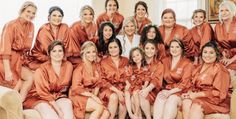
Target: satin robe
(15, 43)
(117, 20)
(214, 81)
(82, 81)
(48, 86)
(140, 27)
(227, 41)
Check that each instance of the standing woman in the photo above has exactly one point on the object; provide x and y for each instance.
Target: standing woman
(226, 35)
(111, 15)
(141, 14)
(202, 32)
(113, 68)
(209, 93)
(49, 32)
(86, 83)
(151, 32)
(177, 76)
(148, 94)
(106, 32)
(171, 30)
(15, 43)
(51, 85)
(129, 39)
(85, 29)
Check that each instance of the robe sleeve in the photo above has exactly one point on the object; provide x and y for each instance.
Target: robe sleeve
(77, 84)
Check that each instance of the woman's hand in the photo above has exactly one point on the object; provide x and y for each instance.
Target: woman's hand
(164, 94)
(96, 99)
(121, 97)
(8, 75)
(144, 92)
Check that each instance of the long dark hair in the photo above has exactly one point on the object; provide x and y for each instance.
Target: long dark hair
(213, 45)
(117, 41)
(157, 39)
(101, 45)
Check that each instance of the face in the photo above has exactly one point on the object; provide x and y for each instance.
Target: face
(57, 53)
(150, 50)
(29, 13)
(111, 6)
(151, 33)
(225, 13)
(198, 18)
(129, 29)
(107, 33)
(87, 16)
(137, 57)
(175, 49)
(141, 11)
(55, 18)
(168, 20)
(113, 49)
(90, 54)
(209, 55)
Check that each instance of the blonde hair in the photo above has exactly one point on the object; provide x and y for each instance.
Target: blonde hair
(27, 4)
(84, 48)
(86, 7)
(128, 20)
(230, 6)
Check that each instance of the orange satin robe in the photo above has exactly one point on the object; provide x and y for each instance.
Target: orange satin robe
(214, 81)
(48, 86)
(44, 38)
(15, 43)
(140, 27)
(156, 78)
(179, 76)
(81, 33)
(161, 51)
(200, 39)
(117, 20)
(181, 33)
(82, 81)
(114, 76)
(227, 41)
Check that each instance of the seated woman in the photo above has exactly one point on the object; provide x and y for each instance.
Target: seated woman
(149, 93)
(209, 92)
(51, 85)
(86, 83)
(177, 75)
(113, 68)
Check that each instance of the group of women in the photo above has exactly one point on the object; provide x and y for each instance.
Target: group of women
(120, 65)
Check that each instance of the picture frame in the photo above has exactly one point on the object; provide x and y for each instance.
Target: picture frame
(212, 10)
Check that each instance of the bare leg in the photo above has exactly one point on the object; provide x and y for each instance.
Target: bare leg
(159, 105)
(105, 114)
(122, 111)
(145, 106)
(27, 76)
(113, 105)
(171, 107)
(95, 108)
(137, 110)
(186, 108)
(65, 105)
(196, 112)
(46, 111)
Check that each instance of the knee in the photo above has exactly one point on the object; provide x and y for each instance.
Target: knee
(173, 100)
(113, 98)
(196, 107)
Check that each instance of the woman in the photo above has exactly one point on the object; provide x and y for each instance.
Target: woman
(148, 94)
(113, 68)
(15, 43)
(85, 29)
(138, 76)
(225, 35)
(53, 30)
(51, 84)
(209, 93)
(151, 32)
(202, 32)
(177, 75)
(170, 30)
(129, 39)
(111, 15)
(86, 83)
(141, 13)
(106, 32)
